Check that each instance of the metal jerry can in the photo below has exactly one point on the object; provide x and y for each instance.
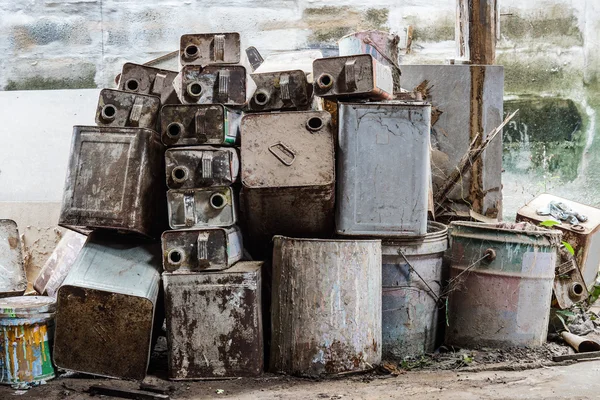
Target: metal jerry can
(214, 323)
(383, 168)
(105, 317)
(283, 90)
(224, 84)
(189, 125)
(119, 108)
(352, 76)
(209, 48)
(114, 181)
(288, 174)
(200, 166)
(583, 236)
(149, 80)
(201, 208)
(197, 250)
(13, 281)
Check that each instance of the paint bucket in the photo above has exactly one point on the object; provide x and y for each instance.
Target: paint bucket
(500, 284)
(26, 332)
(410, 295)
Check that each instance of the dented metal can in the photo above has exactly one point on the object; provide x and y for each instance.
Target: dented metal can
(384, 169)
(13, 281)
(189, 125)
(125, 109)
(201, 166)
(225, 84)
(214, 323)
(283, 90)
(143, 79)
(500, 284)
(352, 76)
(325, 320)
(105, 317)
(58, 265)
(202, 208)
(208, 249)
(114, 180)
(209, 48)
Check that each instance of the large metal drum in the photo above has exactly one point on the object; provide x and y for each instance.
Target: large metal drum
(326, 306)
(500, 284)
(410, 293)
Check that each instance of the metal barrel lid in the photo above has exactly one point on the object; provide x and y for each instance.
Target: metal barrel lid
(26, 306)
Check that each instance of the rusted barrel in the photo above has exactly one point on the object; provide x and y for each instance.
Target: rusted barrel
(411, 292)
(500, 284)
(326, 306)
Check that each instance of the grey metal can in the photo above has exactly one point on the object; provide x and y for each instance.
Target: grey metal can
(209, 48)
(126, 109)
(13, 281)
(202, 208)
(283, 90)
(143, 79)
(189, 125)
(201, 166)
(209, 249)
(225, 84)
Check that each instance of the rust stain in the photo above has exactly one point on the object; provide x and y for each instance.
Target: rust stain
(13, 242)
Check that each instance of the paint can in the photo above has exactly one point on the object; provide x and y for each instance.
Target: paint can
(26, 332)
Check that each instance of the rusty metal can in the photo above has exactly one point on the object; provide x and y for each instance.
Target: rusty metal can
(13, 281)
(189, 125)
(209, 48)
(209, 249)
(202, 208)
(114, 180)
(201, 166)
(126, 109)
(105, 317)
(149, 80)
(223, 84)
(384, 171)
(214, 323)
(288, 174)
(325, 320)
(584, 236)
(283, 90)
(352, 76)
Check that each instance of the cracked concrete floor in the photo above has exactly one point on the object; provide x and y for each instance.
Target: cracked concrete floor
(577, 381)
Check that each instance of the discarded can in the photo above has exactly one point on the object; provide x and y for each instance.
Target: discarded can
(113, 181)
(13, 281)
(209, 249)
(500, 284)
(214, 323)
(288, 174)
(106, 306)
(200, 166)
(352, 76)
(189, 125)
(57, 267)
(149, 80)
(225, 84)
(412, 286)
(584, 237)
(383, 168)
(119, 108)
(202, 208)
(284, 90)
(26, 334)
(325, 320)
(569, 285)
(209, 48)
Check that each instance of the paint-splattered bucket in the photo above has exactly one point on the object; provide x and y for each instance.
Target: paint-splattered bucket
(26, 331)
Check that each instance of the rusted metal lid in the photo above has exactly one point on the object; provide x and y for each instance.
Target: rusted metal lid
(26, 306)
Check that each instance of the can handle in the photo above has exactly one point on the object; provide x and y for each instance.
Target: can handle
(350, 74)
(284, 85)
(189, 209)
(200, 125)
(285, 151)
(136, 111)
(219, 48)
(207, 162)
(159, 83)
(202, 243)
(224, 76)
